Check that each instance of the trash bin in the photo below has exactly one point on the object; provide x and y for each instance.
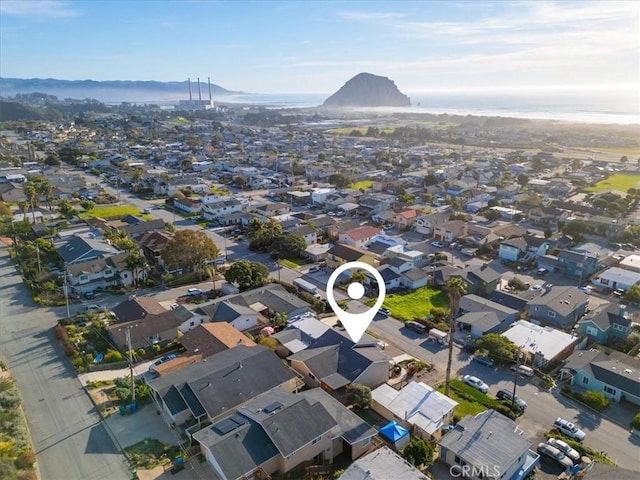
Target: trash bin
(133, 407)
(123, 409)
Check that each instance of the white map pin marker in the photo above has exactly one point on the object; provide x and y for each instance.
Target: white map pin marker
(355, 323)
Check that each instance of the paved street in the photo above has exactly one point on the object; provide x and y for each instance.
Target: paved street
(69, 439)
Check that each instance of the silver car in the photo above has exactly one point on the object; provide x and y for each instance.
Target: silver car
(565, 448)
(476, 383)
(554, 454)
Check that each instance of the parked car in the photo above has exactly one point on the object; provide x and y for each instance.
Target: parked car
(586, 289)
(437, 244)
(542, 271)
(95, 307)
(415, 326)
(536, 288)
(90, 294)
(384, 311)
(569, 429)
(456, 246)
(554, 454)
(482, 360)
(618, 292)
(565, 448)
(505, 394)
(314, 269)
(192, 292)
(522, 370)
(476, 383)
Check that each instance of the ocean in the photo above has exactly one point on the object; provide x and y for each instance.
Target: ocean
(606, 107)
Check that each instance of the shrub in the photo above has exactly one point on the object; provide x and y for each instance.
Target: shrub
(69, 349)
(60, 333)
(635, 423)
(26, 460)
(112, 356)
(595, 400)
(270, 342)
(506, 411)
(581, 448)
(282, 351)
(27, 475)
(359, 395)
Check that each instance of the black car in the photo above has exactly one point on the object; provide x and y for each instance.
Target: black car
(505, 394)
(482, 360)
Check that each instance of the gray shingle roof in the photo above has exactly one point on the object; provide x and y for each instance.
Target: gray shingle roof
(604, 318)
(563, 300)
(484, 321)
(475, 303)
(382, 464)
(488, 439)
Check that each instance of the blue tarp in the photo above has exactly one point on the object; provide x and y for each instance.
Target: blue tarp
(394, 432)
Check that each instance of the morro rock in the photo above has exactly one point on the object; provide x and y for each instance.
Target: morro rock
(368, 90)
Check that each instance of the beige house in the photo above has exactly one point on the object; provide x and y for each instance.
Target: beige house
(450, 231)
(405, 219)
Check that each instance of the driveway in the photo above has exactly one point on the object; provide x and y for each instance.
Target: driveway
(145, 423)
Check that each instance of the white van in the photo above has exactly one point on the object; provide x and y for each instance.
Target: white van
(523, 370)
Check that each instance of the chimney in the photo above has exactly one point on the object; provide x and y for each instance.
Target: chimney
(199, 91)
(623, 311)
(190, 96)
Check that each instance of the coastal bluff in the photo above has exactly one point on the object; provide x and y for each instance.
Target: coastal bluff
(368, 90)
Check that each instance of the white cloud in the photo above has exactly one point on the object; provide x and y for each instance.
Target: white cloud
(38, 8)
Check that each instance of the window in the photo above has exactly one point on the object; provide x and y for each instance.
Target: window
(316, 440)
(551, 314)
(84, 278)
(604, 281)
(591, 331)
(366, 442)
(618, 327)
(585, 380)
(609, 390)
(108, 273)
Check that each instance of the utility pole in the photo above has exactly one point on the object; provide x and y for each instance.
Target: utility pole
(515, 378)
(127, 334)
(66, 290)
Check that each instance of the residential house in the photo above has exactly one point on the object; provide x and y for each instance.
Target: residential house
(307, 232)
(481, 315)
(609, 323)
(319, 195)
(417, 257)
(334, 231)
(333, 202)
(527, 248)
(450, 231)
(188, 205)
(390, 276)
(153, 329)
(546, 215)
(577, 264)
(559, 306)
(101, 273)
(333, 362)
(546, 345)
(77, 249)
(360, 237)
(426, 224)
(274, 433)
(417, 407)
(210, 338)
(631, 263)
(614, 375)
(615, 277)
(373, 205)
(268, 300)
(215, 388)
(404, 219)
(152, 244)
(221, 208)
(301, 332)
(413, 278)
(240, 316)
(317, 252)
(382, 464)
(12, 192)
(273, 209)
(488, 445)
(339, 254)
(480, 280)
(136, 308)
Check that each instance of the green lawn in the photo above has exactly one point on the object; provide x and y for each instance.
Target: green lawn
(617, 181)
(364, 184)
(110, 212)
(415, 304)
(179, 121)
(219, 191)
(288, 263)
(464, 407)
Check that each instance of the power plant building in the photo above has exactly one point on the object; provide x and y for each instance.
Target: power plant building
(198, 104)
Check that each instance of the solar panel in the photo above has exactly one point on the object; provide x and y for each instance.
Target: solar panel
(272, 407)
(225, 426)
(238, 419)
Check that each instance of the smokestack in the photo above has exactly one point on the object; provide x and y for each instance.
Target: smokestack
(209, 81)
(199, 92)
(190, 97)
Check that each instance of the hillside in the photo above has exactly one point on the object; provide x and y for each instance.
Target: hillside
(108, 91)
(368, 90)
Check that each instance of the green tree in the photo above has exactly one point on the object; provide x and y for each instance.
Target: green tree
(499, 348)
(288, 245)
(633, 294)
(492, 215)
(262, 234)
(430, 179)
(66, 209)
(547, 233)
(359, 395)
(240, 181)
(136, 262)
(247, 274)
(576, 229)
(523, 179)
(4, 209)
(418, 452)
(189, 249)
(87, 205)
(516, 284)
(624, 159)
(455, 289)
(52, 159)
(631, 234)
(339, 180)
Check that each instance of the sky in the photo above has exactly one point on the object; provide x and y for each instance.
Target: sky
(316, 46)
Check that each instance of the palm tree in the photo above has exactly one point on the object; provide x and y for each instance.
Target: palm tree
(135, 262)
(212, 273)
(455, 289)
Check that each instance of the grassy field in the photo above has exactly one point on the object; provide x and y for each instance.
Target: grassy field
(631, 152)
(179, 121)
(617, 181)
(362, 130)
(464, 407)
(110, 212)
(219, 191)
(364, 184)
(415, 304)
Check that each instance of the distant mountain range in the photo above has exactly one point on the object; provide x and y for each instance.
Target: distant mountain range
(368, 90)
(110, 91)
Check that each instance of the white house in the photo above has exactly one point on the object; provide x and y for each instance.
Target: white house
(101, 273)
(241, 317)
(616, 277)
(360, 237)
(188, 205)
(319, 195)
(212, 211)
